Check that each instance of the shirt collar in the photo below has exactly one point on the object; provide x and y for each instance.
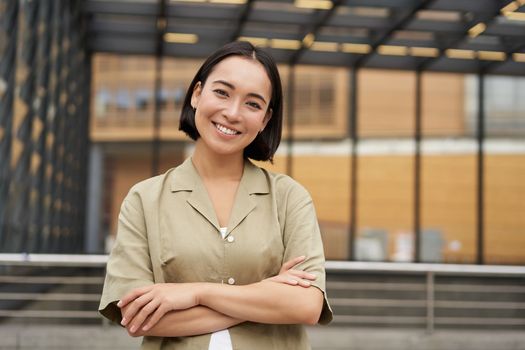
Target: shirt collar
(254, 181)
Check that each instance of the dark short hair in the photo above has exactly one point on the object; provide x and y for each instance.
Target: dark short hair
(263, 147)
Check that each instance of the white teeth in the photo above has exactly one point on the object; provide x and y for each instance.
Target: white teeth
(225, 130)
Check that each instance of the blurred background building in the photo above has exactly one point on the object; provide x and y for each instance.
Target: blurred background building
(404, 119)
(386, 125)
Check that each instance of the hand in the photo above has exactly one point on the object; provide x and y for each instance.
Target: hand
(288, 275)
(152, 302)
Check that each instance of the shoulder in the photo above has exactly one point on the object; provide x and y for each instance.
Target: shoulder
(150, 189)
(150, 183)
(285, 188)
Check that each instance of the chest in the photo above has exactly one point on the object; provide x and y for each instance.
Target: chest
(194, 250)
(222, 197)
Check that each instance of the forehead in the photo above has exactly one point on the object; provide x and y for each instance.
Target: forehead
(244, 73)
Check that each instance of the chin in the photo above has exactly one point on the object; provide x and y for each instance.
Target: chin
(225, 151)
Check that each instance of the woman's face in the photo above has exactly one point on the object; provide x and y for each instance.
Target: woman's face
(233, 105)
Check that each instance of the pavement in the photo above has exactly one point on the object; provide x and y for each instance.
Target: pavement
(62, 337)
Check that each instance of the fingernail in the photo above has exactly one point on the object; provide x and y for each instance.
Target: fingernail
(119, 304)
(132, 330)
(123, 322)
(145, 328)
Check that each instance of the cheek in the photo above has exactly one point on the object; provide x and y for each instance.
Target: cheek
(198, 119)
(256, 123)
(201, 123)
(202, 114)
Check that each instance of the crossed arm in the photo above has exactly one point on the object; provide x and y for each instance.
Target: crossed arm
(184, 309)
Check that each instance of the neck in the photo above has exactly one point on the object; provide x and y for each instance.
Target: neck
(217, 166)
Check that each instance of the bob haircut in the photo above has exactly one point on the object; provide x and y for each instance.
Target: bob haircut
(265, 144)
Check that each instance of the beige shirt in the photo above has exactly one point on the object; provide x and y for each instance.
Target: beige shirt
(168, 232)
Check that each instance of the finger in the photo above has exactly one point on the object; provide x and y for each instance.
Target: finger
(291, 263)
(304, 283)
(303, 274)
(134, 307)
(142, 315)
(154, 318)
(284, 279)
(134, 294)
(294, 281)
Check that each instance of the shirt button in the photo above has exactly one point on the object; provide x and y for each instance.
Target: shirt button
(230, 239)
(231, 280)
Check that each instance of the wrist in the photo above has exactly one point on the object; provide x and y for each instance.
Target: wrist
(202, 293)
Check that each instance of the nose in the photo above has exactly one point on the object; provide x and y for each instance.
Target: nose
(232, 110)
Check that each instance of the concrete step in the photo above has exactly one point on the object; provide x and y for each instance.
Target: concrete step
(20, 337)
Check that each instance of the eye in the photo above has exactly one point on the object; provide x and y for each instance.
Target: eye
(254, 105)
(221, 92)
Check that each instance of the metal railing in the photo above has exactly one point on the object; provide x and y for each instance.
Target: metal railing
(427, 296)
(65, 288)
(51, 287)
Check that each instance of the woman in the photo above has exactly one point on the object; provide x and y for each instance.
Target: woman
(218, 253)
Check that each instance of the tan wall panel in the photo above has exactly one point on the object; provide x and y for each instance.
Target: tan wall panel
(327, 178)
(386, 102)
(328, 181)
(505, 209)
(385, 192)
(443, 105)
(449, 203)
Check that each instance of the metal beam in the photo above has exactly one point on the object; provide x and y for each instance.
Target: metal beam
(400, 23)
(120, 8)
(202, 11)
(23, 176)
(59, 181)
(354, 162)
(113, 28)
(283, 17)
(290, 121)
(486, 18)
(417, 167)
(480, 173)
(472, 6)
(321, 18)
(43, 87)
(491, 66)
(124, 26)
(9, 31)
(243, 18)
(381, 3)
(159, 53)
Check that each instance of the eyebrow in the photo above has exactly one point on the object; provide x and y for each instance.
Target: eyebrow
(231, 86)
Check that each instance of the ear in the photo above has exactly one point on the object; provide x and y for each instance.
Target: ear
(196, 95)
(267, 118)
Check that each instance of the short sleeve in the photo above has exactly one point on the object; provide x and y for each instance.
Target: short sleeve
(303, 237)
(129, 264)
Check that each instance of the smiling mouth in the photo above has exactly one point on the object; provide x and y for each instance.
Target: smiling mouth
(225, 130)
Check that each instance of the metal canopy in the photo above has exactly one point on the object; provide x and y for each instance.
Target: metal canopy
(464, 36)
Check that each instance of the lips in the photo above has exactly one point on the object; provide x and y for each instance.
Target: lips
(225, 130)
